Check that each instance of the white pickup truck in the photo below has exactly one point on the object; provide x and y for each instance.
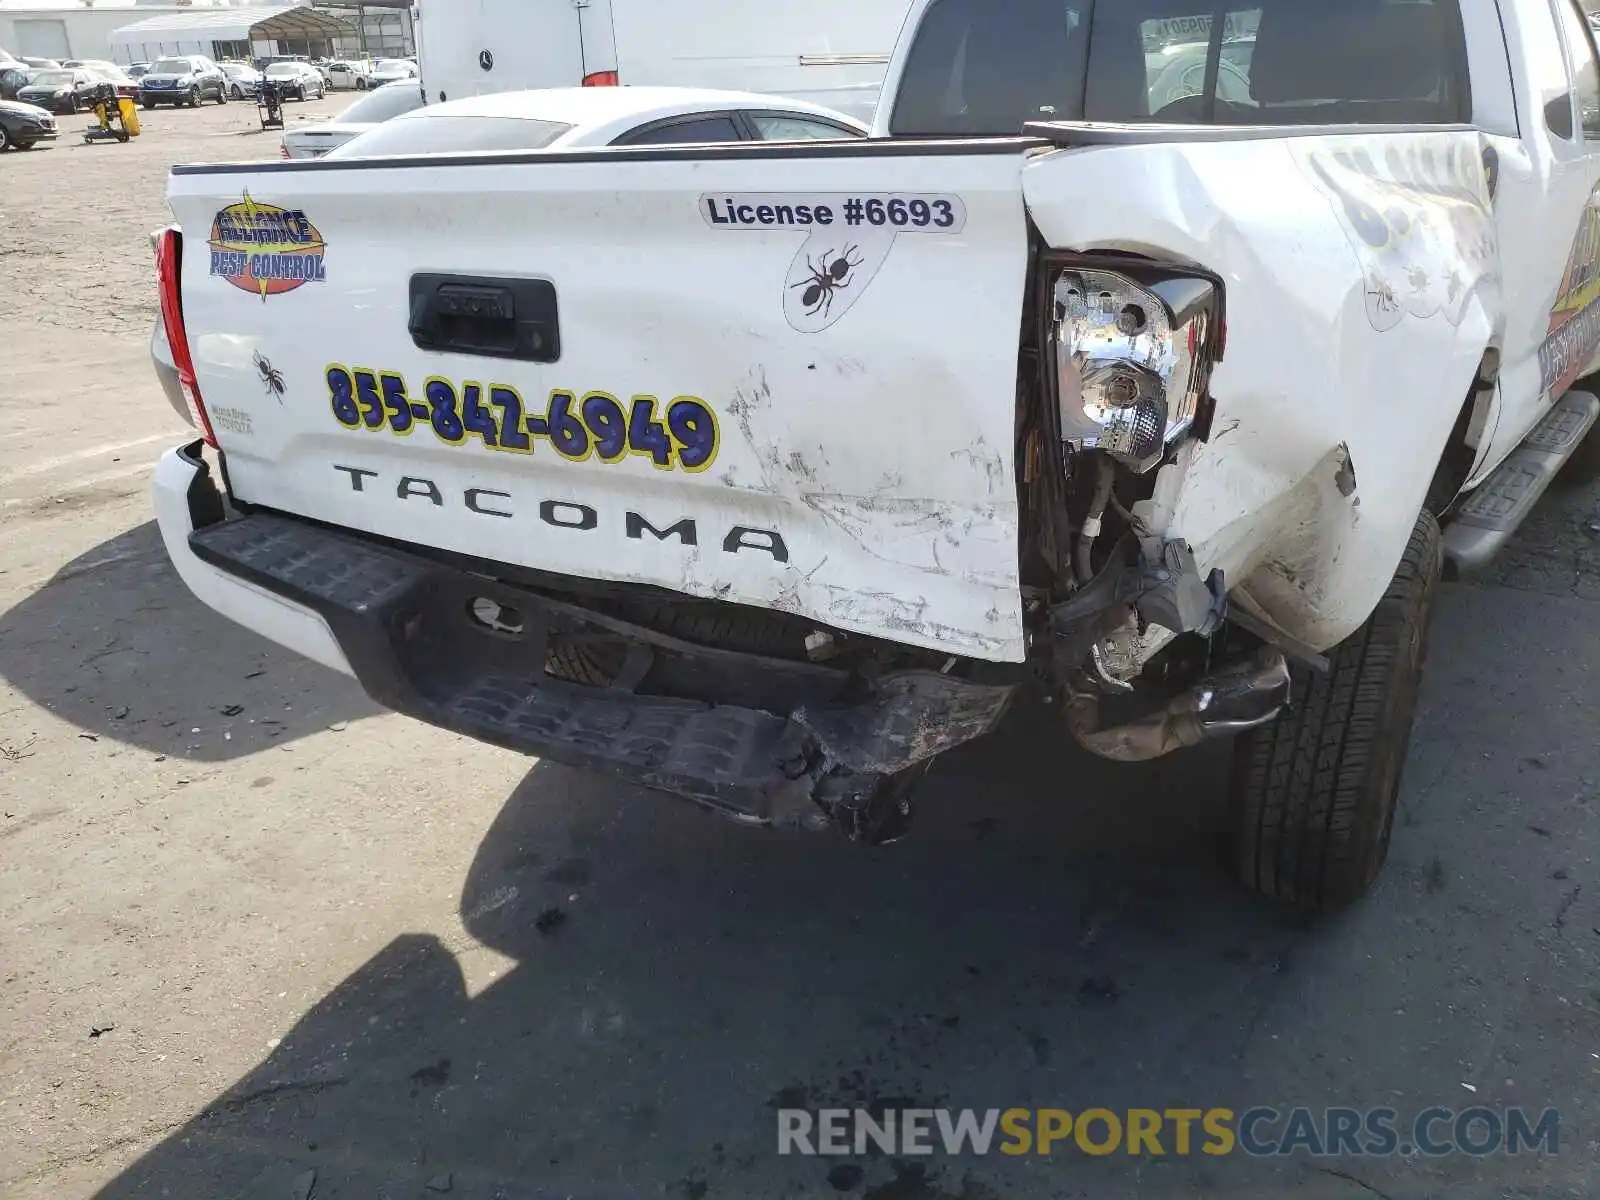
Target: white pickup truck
(763, 474)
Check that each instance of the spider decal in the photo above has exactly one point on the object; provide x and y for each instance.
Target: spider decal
(830, 273)
(271, 377)
(1383, 296)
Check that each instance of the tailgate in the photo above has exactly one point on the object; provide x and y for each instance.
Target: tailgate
(769, 375)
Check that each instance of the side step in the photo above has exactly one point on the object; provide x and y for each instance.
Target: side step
(1493, 512)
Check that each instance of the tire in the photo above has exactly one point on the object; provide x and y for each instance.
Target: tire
(194, 97)
(222, 95)
(147, 105)
(122, 135)
(236, 92)
(361, 84)
(74, 107)
(5, 139)
(25, 145)
(1314, 792)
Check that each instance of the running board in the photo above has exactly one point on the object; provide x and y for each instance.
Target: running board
(1493, 512)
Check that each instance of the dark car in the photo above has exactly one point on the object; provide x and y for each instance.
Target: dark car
(62, 91)
(186, 79)
(14, 76)
(22, 125)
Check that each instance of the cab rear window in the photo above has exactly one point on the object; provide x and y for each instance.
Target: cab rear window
(989, 66)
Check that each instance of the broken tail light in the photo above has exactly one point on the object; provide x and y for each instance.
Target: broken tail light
(1132, 349)
(169, 271)
(602, 79)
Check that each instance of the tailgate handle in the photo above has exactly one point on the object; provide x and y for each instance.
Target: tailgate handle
(485, 315)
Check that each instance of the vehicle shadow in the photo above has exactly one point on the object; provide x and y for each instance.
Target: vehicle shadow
(1056, 933)
(1054, 921)
(117, 645)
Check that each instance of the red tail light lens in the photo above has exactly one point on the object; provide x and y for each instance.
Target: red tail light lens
(169, 263)
(602, 79)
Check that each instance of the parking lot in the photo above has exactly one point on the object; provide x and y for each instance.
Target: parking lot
(262, 940)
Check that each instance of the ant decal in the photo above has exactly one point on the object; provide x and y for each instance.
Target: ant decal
(832, 275)
(271, 377)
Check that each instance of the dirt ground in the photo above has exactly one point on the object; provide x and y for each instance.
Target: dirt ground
(261, 940)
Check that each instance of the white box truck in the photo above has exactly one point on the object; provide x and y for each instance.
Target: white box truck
(831, 52)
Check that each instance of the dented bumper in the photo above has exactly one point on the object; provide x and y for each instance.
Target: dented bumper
(802, 739)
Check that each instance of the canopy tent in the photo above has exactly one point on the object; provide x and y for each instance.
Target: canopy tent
(220, 32)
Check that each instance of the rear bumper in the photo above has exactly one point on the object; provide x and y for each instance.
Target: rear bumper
(402, 625)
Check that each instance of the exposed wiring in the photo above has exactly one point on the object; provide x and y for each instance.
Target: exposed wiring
(1084, 562)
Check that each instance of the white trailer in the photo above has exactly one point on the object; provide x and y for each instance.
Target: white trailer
(831, 52)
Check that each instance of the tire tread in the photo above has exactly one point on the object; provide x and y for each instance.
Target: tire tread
(1310, 787)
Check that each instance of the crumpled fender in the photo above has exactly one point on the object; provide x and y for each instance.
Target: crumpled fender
(1362, 284)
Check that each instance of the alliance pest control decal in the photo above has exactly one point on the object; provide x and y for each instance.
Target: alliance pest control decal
(266, 250)
(1574, 333)
(849, 238)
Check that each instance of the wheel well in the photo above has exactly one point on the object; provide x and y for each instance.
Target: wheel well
(1466, 439)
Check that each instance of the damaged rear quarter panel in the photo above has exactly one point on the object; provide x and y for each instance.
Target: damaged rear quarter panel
(1362, 285)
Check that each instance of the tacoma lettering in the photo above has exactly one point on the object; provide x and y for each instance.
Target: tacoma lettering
(571, 515)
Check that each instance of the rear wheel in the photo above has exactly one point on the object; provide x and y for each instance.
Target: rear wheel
(236, 92)
(1314, 792)
(5, 138)
(361, 84)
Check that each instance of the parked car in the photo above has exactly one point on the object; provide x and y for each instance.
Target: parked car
(40, 64)
(14, 76)
(387, 70)
(183, 79)
(580, 118)
(243, 79)
(368, 112)
(107, 69)
(22, 126)
(61, 90)
(349, 74)
(136, 71)
(296, 80)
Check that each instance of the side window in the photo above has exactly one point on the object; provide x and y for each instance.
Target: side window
(779, 127)
(1578, 35)
(703, 129)
(1177, 55)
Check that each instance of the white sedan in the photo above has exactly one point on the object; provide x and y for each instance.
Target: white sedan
(581, 118)
(371, 110)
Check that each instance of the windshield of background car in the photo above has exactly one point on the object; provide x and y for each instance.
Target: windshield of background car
(171, 66)
(58, 79)
(988, 66)
(381, 104)
(452, 135)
